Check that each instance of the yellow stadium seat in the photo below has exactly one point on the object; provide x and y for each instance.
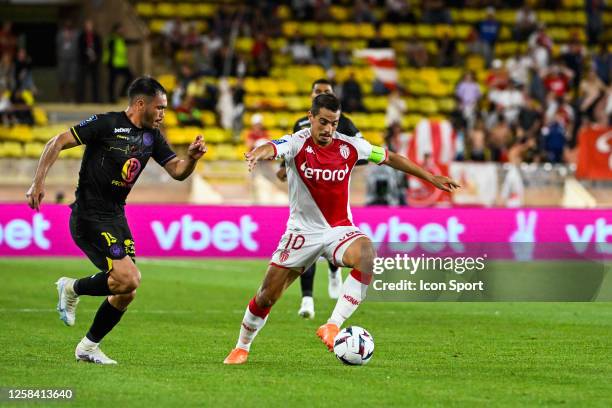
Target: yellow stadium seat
(269, 87)
(375, 137)
(339, 13)
(216, 135)
(447, 104)
(156, 26)
(283, 12)
(410, 121)
(366, 30)
(168, 81)
(208, 118)
(405, 30)
(145, 9)
(33, 149)
(22, 133)
(239, 151)
(204, 9)
(166, 9)
(349, 30)
(11, 150)
(244, 44)
(425, 31)
(330, 30)
(290, 28)
(226, 152)
(170, 119)
(428, 106)
(309, 29)
(185, 10)
(389, 31)
(40, 116)
(462, 31)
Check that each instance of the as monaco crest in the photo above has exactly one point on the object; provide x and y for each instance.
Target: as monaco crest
(284, 255)
(344, 151)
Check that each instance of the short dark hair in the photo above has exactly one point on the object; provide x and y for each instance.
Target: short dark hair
(327, 101)
(321, 81)
(146, 86)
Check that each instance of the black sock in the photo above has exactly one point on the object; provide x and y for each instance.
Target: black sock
(106, 318)
(96, 285)
(307, 280)
(333, 268)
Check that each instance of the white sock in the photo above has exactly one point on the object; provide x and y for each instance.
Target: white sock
(353, 293)
(251, 325)
(85, 342)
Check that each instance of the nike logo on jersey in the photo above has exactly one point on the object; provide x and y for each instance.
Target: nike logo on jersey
(324, 174)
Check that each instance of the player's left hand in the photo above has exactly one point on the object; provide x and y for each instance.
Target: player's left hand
(197, 149)
(444, 183)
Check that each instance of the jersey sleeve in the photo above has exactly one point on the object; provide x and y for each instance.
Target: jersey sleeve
(162, 152)
(91, 129)
(288, 146)
(369, 152)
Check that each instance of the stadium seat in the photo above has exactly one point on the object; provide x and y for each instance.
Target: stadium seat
(389, 31)
(40, 116)
(283, 12)
(168, 81)
(145, 9)
(339, 13)
(349, 30)
(166, 10)
(33, 149)
(185, 10)
(156, 26)
(366, 30)
(290, 28)
(204, 9)
(170, 119)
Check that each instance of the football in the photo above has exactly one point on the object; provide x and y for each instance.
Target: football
(354, 346)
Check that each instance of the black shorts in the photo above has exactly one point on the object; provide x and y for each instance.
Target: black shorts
(103, 239)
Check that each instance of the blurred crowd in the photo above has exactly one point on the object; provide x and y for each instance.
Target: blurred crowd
(17, 87)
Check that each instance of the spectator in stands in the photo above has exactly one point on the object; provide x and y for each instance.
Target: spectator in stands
(540, 47)
(116, 59)
(323, 53)
(363, 13)
(447, 50)
(23, 72)
(352, 97)
(501, 139)
(213, 41)
(603, 63)
(378, 41)
(476, 146)
(203, 60)
(396, 108)
(8, 40)
(508, 101)
(558, 108)
(468, 94)
(557, 79)
(67, 52)
(592, 91)
(321, 10)
(554, 139)
(573, 57)
(238, 94)
(436, 12)
(498, 77)
(173, 31)
(399, 11)
(595, 25)
(191, 39)
(518, 67)
(417, 53)
(261, 54)
(529, 119)
(225, 62)
(344, 56)
(475, 45)
(90, 54)
(258, 135)
(301, 53)
(526, 22)
(488, 30)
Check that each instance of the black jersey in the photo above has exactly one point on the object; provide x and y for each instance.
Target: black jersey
(116, 152)
(345, 126)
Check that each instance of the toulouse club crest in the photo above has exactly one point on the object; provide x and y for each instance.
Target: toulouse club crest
(344, 151)
(147, 139)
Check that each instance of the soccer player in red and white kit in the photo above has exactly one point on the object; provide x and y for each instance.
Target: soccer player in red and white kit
(319, 163)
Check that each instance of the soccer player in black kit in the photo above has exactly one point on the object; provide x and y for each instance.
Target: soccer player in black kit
(346, 127)
(118, 147)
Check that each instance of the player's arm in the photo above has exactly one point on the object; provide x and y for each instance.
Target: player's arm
(36, 192)
(264, 152)
(180, 169)
(401, 163)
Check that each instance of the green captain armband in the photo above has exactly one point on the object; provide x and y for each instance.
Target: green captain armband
(378, 155)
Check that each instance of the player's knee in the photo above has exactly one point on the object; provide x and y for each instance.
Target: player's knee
(366, 259)
(133, 280)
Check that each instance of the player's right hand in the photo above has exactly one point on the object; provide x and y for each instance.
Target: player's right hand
(281, 174)
(35, 195)
(251, 159)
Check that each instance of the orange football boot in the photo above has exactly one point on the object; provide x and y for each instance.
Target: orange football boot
(236, 356)
(327, 333)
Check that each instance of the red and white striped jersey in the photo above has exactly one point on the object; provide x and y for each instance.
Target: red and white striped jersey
(319, 177)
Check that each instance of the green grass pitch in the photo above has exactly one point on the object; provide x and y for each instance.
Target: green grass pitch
(185, 319)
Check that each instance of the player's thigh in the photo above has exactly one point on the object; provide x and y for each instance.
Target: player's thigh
(360, 255)
(79, 229)
(105, 241)
(339, 240)
(298, 250)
